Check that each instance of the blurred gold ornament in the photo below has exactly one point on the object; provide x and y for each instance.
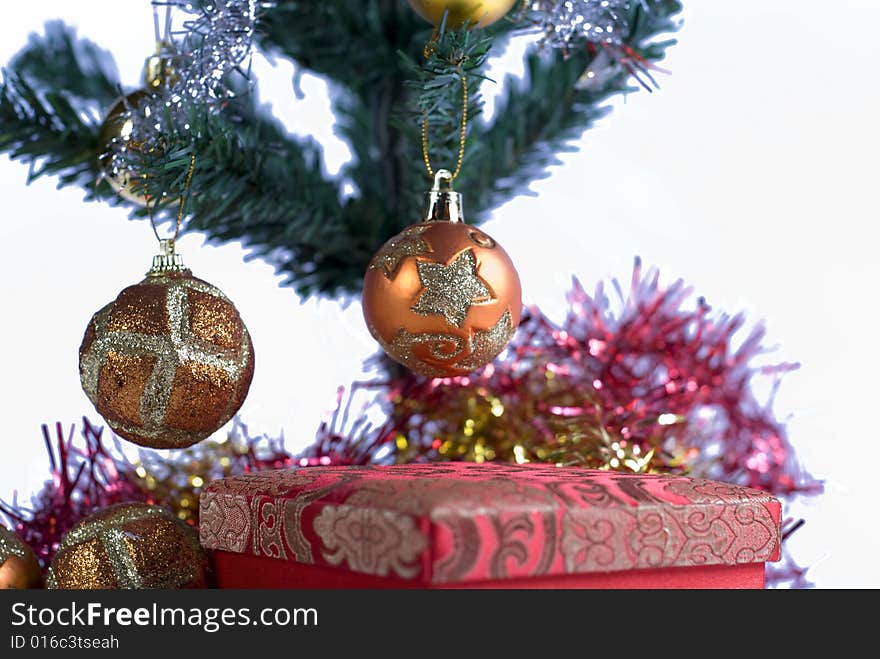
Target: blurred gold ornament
(19, 567)
(169, 361)
(442, 297)
(129, 545)
(116, 131)
(479, 12)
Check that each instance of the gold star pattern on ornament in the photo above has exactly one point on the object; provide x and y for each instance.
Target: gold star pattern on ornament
(409, 243)
(450, 290)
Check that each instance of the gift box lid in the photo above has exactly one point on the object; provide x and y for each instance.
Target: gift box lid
(465, 522)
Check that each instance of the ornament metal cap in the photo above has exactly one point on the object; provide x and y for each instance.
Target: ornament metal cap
(159, 68)
(442, 203)
(167, 261)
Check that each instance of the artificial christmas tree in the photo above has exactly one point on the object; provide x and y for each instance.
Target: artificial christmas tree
(629, 393)
(257, 184)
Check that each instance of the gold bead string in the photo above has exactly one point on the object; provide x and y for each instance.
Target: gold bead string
(180, 208)
(463, 133)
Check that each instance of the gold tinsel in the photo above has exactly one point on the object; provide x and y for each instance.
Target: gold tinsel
(176, 479)
(490, 431)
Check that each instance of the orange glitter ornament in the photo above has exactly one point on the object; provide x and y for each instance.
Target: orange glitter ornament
(19, 567)
(169, 361)
(442, 297)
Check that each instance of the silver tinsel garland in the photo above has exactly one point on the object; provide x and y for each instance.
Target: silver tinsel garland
(197, 59)
(215, 40)
(600, 26)
(566, 24)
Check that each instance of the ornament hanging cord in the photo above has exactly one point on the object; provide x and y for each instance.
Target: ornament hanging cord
(464, 118)
(183, 198)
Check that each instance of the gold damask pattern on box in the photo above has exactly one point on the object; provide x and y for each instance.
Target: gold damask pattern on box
(370, 541)
(453, 523)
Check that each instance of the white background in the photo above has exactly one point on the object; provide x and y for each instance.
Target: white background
(752, 174)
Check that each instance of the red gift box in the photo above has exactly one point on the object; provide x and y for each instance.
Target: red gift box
(485, 526)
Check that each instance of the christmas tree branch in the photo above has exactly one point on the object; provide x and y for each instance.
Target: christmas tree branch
(355, 47)
(355, 44)
(47, 132)
(383, 128)
(58, 60)
(253, 183)
(454, 58)
(379, 87)
(539, 117)
(256, 184)
(51, 99)
(534, 121)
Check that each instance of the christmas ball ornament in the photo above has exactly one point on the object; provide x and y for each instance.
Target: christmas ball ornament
(117, 134)
(19, 567)
(479, 12)
(129, 545)
(169, 361)
(442, 297)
